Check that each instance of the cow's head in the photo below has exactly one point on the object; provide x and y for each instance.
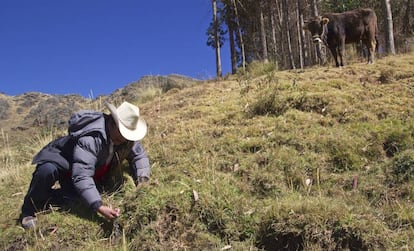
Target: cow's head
(317, 27)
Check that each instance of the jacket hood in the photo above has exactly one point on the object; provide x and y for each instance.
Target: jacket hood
(85, 122)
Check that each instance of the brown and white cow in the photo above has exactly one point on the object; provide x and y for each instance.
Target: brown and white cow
(338, 29)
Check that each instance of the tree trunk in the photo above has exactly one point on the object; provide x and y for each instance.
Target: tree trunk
(288, 38)
(281, 26)
(315, 12)
(232, 48)
(300, 41)
(274, 39)
(240, 36)
(216, 39)
(301, 35)
(408, 27)
(389, 29)
(314, 4)
(263, 33)
(407, 18)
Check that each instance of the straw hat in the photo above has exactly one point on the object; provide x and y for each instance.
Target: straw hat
(131, 126)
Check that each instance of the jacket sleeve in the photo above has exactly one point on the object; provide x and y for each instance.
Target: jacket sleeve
(139, 162)
(83, 168)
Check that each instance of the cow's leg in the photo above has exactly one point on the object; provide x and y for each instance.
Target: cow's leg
(334, 52)
(341, 51)
(372, 46)
(370, 42)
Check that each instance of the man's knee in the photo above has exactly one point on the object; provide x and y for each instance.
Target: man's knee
(46, 172)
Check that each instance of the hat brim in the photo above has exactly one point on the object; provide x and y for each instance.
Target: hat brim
(132, 135)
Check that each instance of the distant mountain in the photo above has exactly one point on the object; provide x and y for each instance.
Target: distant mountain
(141, 89)
(22, 114)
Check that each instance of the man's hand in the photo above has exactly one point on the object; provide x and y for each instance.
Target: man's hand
(109, 213)
(141, 180)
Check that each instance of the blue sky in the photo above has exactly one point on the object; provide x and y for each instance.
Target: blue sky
(97, 46)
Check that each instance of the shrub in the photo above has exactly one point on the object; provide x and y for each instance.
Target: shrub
(402, 167)
(257, 68)
(149, 94)
(397, 141)
(386, 76)
(343, 155)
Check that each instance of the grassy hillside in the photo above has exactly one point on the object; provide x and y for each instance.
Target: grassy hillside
(320, 159)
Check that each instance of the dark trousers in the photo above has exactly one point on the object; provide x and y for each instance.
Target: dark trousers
(41, 194)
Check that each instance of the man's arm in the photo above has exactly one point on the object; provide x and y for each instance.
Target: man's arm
(139, 162)
(84, 159)
(85, 155)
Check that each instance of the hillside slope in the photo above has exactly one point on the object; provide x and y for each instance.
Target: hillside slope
(319, 159)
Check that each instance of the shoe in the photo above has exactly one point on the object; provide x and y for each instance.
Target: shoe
(29, 222)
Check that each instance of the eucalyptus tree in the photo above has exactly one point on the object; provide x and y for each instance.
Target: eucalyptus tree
(240, 36)
(287, 20)
(263, 31)
(408, 18)
(389, 28)
(318, 48)
(235, 36)
(230, 20)
(215, 35)
(340, 5)
(303, 51)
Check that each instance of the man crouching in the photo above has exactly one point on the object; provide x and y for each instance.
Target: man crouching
(94, 144)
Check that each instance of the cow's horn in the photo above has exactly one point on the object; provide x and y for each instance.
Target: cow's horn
(325, 20)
